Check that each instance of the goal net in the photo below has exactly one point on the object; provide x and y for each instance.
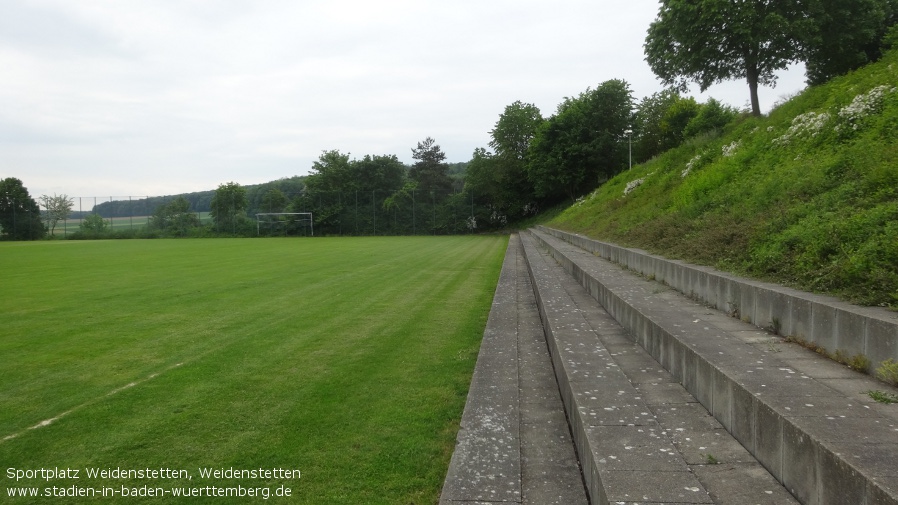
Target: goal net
(285, 223)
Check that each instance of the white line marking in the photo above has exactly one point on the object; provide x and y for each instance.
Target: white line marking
(47, 422)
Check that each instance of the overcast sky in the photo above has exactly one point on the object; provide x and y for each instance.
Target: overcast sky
(120, 97)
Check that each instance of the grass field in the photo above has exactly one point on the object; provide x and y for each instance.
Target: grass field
(346, 359)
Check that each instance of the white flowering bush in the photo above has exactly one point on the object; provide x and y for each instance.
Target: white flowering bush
(730, 149)
(471, 223)
(691, 164)
(845, 121)
(585, 198)
(633, 185)
(863, 105)
(497, 217)
(806, 125)
(698, 161)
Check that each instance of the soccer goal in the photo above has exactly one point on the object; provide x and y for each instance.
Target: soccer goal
(286, 221)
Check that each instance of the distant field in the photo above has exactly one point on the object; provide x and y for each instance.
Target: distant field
(117, 223)
(347, 359)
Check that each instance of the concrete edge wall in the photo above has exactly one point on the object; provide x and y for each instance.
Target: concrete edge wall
(486, 460)
(822, 320)
(585, 453)
(798, 460)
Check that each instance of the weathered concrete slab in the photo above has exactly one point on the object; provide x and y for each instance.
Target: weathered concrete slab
(486, 463)
(625, 455)
(634, 448)
(663, 393)
(787, 414)
(655, 487)
(741, 483)
(514, 445)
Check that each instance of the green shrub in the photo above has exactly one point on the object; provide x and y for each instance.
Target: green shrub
(888, 371)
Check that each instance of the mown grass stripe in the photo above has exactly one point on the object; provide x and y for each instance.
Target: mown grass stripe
(349, 358)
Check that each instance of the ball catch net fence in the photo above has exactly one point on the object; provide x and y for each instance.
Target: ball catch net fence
(322, 213)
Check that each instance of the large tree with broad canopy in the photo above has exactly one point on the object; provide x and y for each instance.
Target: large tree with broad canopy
(710, 41)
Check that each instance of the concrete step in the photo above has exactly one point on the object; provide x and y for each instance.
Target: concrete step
(834, 326)
(641, 437)
(803, 417)
(514, 444)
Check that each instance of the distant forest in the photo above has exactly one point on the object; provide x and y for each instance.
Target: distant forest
(200, 201)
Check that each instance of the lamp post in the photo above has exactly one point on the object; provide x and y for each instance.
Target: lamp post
(629, 133)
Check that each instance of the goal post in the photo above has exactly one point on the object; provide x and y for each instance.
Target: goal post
(284, 218)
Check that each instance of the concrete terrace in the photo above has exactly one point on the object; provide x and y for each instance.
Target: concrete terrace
(597, 385)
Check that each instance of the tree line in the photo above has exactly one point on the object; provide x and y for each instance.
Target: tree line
(200, 201)
(373, 195)
(531, 161)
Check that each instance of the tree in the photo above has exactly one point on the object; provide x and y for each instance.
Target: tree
(228, 205)
(712, 115)
(845, 35)
(430, 169)
(331, 172)
(381, 173)
(515, 130)
(94, 225)
(666, 119)
(338, 183)
(20, 216)
(583, 143)
(513, 193)
(710, 41)
(676, 118)
(501, 178)
(59, 207)
(648, 134)
(274, 200)
(175, 218)
(457, 172)
(256, 194)
(483, 176)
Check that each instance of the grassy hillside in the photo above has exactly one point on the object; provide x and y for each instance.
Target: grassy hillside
(807, 196)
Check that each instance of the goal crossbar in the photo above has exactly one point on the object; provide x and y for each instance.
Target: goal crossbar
(260, 214)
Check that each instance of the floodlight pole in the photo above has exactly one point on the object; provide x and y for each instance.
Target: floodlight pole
(630, 145)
